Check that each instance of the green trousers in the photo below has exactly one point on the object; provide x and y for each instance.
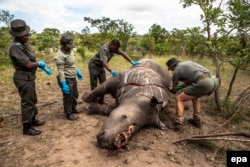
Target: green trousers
(96, 73)
(25, 83)
(70, 101)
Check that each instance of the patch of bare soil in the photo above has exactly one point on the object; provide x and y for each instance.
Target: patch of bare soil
(64, 143)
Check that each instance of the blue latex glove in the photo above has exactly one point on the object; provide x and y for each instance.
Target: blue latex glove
(114, 73)
(79, 74)
(47, 70)
(179, 87)
(65, 87)
(41, 64)
(134, 63)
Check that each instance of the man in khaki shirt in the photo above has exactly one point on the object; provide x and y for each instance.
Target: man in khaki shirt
(99, 63)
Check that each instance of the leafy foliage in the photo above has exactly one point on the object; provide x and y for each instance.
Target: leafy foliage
(47, 39)
(4, 41)
(112, 29)
(6, 17)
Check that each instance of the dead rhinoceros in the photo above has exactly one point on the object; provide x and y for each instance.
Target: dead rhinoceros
(141, 92)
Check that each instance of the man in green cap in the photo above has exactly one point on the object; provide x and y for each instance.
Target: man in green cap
(99, 63)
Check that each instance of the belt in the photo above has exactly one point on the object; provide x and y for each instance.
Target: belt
(97, 62)
(206, 75)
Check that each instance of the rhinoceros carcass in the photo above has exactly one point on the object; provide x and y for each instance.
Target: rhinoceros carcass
(141, 92)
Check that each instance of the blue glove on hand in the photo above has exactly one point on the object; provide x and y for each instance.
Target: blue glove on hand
(65, 87)
(114, 73)
(41, 64)
(47, 70)
(179, 87)
(134, 63)
(79, 75)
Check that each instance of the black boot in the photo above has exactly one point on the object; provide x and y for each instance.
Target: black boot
(29, 130)
(71, 117)
(36, 122)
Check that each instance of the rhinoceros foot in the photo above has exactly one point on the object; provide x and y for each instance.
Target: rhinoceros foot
(123, 138)
(85, 97)
(162, 126)
(96, 108)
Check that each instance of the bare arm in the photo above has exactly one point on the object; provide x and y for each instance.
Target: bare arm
(31, 65)
(126, 57)
(106, 66)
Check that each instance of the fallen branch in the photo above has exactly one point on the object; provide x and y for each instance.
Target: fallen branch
(245, 134)
(5, 143)
(212, 137)
(227, 121)
(43, 105)
(46, 104)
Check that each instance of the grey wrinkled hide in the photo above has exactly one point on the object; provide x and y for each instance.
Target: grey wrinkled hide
(141, 92)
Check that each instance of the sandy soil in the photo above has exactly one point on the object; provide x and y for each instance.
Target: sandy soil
(64, 143)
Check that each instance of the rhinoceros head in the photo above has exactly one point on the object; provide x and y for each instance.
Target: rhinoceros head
(126, 119)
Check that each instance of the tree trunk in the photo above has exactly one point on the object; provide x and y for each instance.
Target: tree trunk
(217, 93)
(231, 84)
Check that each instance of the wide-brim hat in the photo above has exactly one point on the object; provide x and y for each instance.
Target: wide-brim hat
(68, 41)
(19, 28)
(172, 62)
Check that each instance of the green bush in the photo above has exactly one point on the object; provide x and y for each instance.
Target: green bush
(5, 62)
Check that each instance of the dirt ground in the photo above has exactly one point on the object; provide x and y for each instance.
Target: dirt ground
(66, 144)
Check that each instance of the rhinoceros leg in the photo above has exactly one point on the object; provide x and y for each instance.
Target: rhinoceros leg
(161, 125)
(97, 108)
(109, 86)
(154, 102)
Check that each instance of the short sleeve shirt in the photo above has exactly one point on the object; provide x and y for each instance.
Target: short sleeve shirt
(20, 56)
(188, 72)
(104, 54)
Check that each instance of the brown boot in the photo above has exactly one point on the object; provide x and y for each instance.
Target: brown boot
(177, 127)
(195, 122)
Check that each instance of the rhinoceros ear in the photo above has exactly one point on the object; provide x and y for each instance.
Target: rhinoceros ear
(154, 101)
